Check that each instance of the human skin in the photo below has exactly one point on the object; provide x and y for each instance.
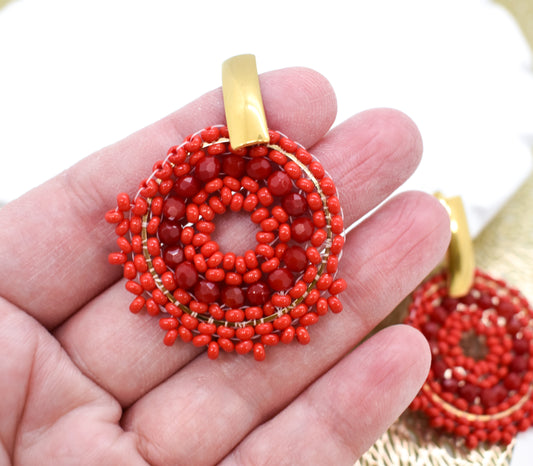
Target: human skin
(84, 381)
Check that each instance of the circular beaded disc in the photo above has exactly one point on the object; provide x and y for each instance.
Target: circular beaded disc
(216, 298)
(479, 385)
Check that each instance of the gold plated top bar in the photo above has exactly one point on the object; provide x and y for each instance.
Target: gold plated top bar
(243, 103)
(461, 261)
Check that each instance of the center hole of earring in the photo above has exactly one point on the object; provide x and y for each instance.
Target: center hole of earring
(474, 345)
(235, 231)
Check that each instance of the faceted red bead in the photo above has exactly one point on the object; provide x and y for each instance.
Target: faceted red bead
(169, 233)
(279, 183)
(174, 208)
(493, 396)
(280, 279)
(295, 258)
(186, 275)
(258, 293)
(302, 229)
(258, 168)
(207, 292)
(207, 168)
(294, 204)
(234, 165)
(173, 256)
(233, 296)
(187, 186)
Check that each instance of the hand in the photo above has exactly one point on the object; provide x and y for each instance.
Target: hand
(86, 382)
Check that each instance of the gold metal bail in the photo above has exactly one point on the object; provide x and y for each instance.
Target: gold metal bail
(243, 103)
(460, 257)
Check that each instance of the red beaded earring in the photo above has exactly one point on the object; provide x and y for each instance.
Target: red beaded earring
(217, 299)
(480, 332)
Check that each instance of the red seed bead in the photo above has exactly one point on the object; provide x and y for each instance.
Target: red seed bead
(335, 304)
(210, 134)
(252, 276)
(277, 157)
(280, 279)
(249, 184)
(302, 229)
(182, 296)
(280, 249)
(279, 183)
(213, 350)
(140, 207)
(259, 215)
(134, 287)
(137, 304)
(227, 345)
(232, 183)
(209, 248)
(310, 318)
(114, 216)
(318, 238)
(317, 170)
(265, 237)
(189, 252)
(281, 323)
(152, 307)
(170, 337)
(250, 202)
(332, 264)
(281, 300)
(337, 224)
(229, 261)
(250, 259)
(173, 310)
(157, 206)
(305, 184)
(264, 196)
(310, 274)
(240, 265)
(338, 286)
(237, 202)
(168, 281)
(153, 225)
(215, 275)
(153, 247)
(258, 151)
(233, 165)
(206, 212)
(122, 228)
(298, 290)
(199, 263)
(287, 335)
(186, 275)
(270, 339)
(327, 186)
(302, 335)
(313, 255)
(284, 233)
(192, 213)
(116, 258)
(322, 306)
(319, 219)
(253, 313)
(337, 244)
(201, 340)
(182, 169)
(279, 214)
(314, 201)
(259, 351)
(233, 278)
(303, 156)
(264, 250)
(334, 205)
(130, 272)
(226, 196)
(299, 311)
(245, 333)
(258, 293)
(216, 149)
(123, 202)
(217, 205)
(148, 188)
(235, 315)
(216, 312)
(168, 323)
(270, 265)
(293, 170)
(244, 347)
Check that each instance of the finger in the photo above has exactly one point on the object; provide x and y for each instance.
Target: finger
(339, 417)
(51, 413)
(118, 338)
(417, 227)
(64, 217)
(373, 166)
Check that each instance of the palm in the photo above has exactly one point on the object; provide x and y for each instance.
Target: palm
(86, 382)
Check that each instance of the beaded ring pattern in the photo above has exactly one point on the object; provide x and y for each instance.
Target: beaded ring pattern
(479, 385)
(217, 299)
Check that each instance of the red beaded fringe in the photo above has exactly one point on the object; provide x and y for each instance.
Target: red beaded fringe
(219, 299)
(479, 385)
